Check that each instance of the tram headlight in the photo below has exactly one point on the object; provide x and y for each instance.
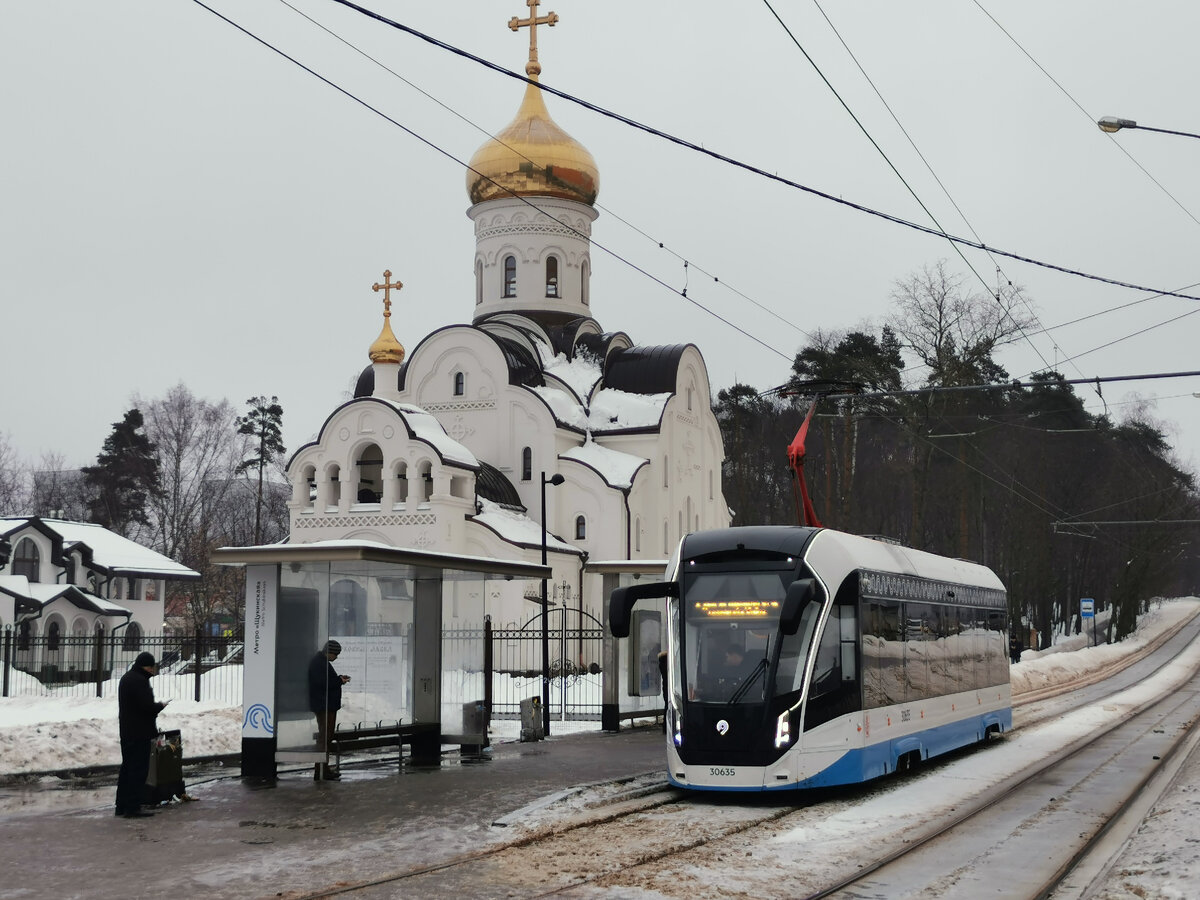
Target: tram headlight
(783, 729)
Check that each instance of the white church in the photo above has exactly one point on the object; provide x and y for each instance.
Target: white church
(450, 447)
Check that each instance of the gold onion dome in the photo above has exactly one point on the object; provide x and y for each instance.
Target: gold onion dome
(532, 156)
(386, 348)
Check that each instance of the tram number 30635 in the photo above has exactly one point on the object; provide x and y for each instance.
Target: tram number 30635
(721, 771)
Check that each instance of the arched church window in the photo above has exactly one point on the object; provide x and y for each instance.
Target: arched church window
(637, 534)
(425, 472)
(689, 399)
(552, 276)
(460, 384)
(584, 270)
(666, 472)
(132, 639)
(27, 561)
(401, 482)
(23, 635)
(510, 276)
(478, 281)
(580, 528)
(53, 636)
(347, 608)
(527, 464)
(370, 474)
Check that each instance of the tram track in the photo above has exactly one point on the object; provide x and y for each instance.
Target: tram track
(644, 838)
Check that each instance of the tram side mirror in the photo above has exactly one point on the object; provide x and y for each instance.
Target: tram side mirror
(620, 603)
(799, 595)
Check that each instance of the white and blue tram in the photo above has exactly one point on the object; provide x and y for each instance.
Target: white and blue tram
(806, 657)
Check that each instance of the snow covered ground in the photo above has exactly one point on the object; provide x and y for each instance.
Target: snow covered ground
(38, 734)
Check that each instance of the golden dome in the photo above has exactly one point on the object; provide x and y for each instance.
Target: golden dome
(386, 348)
(532, 156)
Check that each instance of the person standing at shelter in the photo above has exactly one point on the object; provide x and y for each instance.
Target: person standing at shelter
(325, 699)
(137, 712)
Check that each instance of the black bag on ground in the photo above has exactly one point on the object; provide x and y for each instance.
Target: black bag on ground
(166, 768)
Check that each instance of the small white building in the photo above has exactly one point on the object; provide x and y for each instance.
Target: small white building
(71, 579)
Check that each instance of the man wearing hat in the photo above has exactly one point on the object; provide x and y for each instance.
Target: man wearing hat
(325, 699)
(137, 711)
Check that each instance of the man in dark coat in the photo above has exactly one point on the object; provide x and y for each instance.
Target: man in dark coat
(325, 698)
(137, 711)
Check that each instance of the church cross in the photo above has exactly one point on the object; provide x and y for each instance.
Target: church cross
(387, 287)
(533, 68)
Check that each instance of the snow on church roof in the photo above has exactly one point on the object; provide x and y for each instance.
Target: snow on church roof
(429, 429)
(579, 374)
(517, 528)
(616, 468)
(614, 410)
(608, 410)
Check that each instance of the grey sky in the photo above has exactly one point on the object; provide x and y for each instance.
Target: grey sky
(181, 204)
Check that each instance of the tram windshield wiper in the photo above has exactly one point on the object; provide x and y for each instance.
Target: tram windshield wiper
(748, 681)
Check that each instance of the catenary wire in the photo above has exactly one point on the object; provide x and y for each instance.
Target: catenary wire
(816, 192)
(1091, 119)
(466, 166)
(957, 249)
(608, 211)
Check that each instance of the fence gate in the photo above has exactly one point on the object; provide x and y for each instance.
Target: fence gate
(576, 651)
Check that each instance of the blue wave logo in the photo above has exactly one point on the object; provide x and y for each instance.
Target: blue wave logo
(258, 718)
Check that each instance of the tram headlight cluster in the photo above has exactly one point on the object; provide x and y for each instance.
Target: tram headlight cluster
(783, 729)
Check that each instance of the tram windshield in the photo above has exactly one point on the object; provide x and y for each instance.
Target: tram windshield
(731, 624)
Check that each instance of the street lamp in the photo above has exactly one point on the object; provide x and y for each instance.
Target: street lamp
(555, 480)
(1112, 124)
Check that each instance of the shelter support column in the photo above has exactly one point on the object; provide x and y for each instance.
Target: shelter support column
(610, 691)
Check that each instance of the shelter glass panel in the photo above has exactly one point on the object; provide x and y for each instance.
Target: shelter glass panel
(367, 610)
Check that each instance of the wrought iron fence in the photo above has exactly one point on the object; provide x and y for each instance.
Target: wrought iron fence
(198, 666)
(209, 668)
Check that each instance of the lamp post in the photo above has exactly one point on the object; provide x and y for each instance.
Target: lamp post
(1112, 124)
(555, 480)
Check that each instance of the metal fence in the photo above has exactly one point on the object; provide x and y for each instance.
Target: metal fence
(209, 668)
(199, 666)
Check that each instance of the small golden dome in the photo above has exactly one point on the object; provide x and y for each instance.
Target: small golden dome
(386, 348)
(532, 156)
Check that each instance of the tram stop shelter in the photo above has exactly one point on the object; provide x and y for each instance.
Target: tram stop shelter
(632, 686)
(386, 606)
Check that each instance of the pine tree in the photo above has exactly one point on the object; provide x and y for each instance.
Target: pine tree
(125, 476)
(264, 422)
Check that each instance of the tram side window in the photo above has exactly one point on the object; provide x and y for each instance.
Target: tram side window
(967, 634)
(943, 677)
(883, 654)
(918, 634)
(997, 646)
(835, 686)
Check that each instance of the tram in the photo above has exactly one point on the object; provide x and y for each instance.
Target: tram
(802, 657)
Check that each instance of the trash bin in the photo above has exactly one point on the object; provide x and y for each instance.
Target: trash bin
(166, 768)
(531, 719)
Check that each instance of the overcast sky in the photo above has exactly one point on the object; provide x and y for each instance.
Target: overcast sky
(179, 203)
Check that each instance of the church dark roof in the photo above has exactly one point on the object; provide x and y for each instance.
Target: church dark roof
(491, 484)
(523, 367)
(644, 370)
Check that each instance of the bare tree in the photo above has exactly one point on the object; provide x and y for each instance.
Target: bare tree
(198, 449)
(953, 331)
(58, 490)
(13, 479)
